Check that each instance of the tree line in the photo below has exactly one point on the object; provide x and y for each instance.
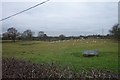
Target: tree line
(13, 34)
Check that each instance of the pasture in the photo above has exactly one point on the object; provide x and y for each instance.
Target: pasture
(66, 53)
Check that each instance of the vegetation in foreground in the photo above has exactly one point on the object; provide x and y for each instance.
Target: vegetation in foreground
(13, 68)
(66, 53)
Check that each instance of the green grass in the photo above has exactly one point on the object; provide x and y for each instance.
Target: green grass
(67, 53)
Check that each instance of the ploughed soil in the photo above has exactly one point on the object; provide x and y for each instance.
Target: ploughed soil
(14, 68)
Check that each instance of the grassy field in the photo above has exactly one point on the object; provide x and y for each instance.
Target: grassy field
(66, 53)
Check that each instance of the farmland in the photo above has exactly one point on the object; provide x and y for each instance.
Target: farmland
(66, 53)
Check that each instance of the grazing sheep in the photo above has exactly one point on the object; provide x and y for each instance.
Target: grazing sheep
(86, 42)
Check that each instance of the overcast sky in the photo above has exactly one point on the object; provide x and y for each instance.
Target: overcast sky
(68, 18)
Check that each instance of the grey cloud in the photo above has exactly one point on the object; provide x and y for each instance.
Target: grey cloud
(70, 18)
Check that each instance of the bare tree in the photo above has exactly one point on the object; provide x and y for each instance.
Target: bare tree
(42, 35)
(5, 35)
(115, 31)
(61, 37)
(11, 33)
(27, 34)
